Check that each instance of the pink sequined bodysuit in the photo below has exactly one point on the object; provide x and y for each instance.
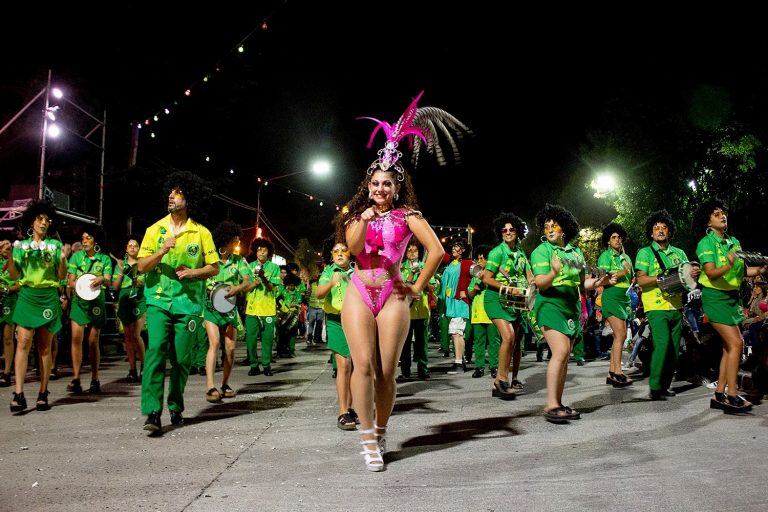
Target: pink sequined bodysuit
(378, 265)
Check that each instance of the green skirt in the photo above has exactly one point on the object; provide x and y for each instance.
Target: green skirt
(221, 319)
(560, 309)
(494, 309)
(7, 305)
(130, 309)
(38, 307)
(337, 342)
(615, 302)
(89, 312)
(722, 307)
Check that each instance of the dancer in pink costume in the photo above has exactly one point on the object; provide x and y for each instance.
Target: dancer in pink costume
(377, 224)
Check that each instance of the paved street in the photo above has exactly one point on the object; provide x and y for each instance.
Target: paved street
(452, 447)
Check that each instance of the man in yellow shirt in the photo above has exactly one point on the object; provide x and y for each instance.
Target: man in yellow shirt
(177, 255)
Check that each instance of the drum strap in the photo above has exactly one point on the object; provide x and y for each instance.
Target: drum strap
(658, 258)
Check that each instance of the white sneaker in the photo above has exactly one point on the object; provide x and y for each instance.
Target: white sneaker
(627, 366)
(712, 385)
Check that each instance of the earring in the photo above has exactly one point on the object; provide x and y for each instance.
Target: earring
(96, 248)
(708, 230)
(396, 196)
(30, 232)
(126, 256)
(221, 250)
(370, 195)
(543, 238)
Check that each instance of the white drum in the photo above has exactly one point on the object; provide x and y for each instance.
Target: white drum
(218, 299)
(83, 287)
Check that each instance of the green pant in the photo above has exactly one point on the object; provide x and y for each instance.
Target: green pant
(666, 327)
(419, 331)
(486, 336)
(260, 327)
(171, 336)
(200, 351)
(578, 347)
(445, 338)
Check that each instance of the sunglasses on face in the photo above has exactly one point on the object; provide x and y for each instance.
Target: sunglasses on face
(340, 251)
(508, 230)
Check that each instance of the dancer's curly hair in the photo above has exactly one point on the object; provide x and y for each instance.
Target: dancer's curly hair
(225, 232)
(656, 217)
(505, 218)
(361, 202)
(700, 219)
(483, 249)
(563, 217)
(262, 242)
(610, 229)
(35, 208)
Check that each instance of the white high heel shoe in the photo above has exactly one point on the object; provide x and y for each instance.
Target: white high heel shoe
(382, 440)
(373, 458)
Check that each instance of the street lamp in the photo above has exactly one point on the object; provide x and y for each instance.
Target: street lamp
(603, 185)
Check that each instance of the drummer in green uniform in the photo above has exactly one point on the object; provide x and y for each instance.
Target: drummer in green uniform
(484, 333)
(261, 307)
(234, 272)
(9, 292)
(419, 327)
(38, 265)
(177, 255)
(331, 287)
(615, 299)
(559, 273)
(662, 310)
(88, 314)
(288, 302)
(507, 272)
(720, 281)
(131, 305)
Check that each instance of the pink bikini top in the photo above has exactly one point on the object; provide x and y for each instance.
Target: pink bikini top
(386, 239)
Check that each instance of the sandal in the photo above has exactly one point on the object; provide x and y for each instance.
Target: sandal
(42, 401)
(558, 415)
(516, 384)
(18, 403)
(227, 392)
(213, 395)
(353, 415)
(575, 415)
(345, 422)
(736, 404)
(616, 381)
(380, 438)
(373, 459)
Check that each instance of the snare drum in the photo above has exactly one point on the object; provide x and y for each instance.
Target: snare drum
(219, 301)
(518, 298)
(83, 287)
(677, 280)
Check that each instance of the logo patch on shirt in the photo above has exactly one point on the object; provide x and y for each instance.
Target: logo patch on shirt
(47, 257)
(6, 311)
(96, 311)
(191, 326)
(232, 270)
(268, 320)
(136, 311)
(48, 314)
(193, 250)
(98, 267)
(571, 323)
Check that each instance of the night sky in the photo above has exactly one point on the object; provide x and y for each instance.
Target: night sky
(530, 84)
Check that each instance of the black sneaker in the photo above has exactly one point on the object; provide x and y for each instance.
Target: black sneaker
(479, 372)
(74, 387)
(255, 370)
(95, 387)
(201, 371)
(5, 380)
(193, 370)
(153, 422)
(133, 377)
(668, 392)
(334, 373)
(423, 375)
(656, 396)
(177, 418)
(455, 368)
(267, 371)
(494, 371)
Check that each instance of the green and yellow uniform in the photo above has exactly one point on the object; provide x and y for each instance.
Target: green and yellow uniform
(501, 259)
(484, 333)
(663, 313)
(559, 306)
(7, 297)
(290, 306)
(615, 301)
(260, 313)
(231, 272)
(337, 341)
(90, 312)
(131, 304)
(720, 298)
(418, 333)
(38, 303)
(174, 309)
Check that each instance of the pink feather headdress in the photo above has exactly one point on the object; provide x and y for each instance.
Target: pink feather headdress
(422, 124)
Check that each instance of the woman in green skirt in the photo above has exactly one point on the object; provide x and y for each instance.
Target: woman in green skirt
(507, 272)
(559, 273)
(331, 286)
(131, 306)
(39, 266)
(615, 301)
(721, 278)
(88, 316)
(9, 291)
